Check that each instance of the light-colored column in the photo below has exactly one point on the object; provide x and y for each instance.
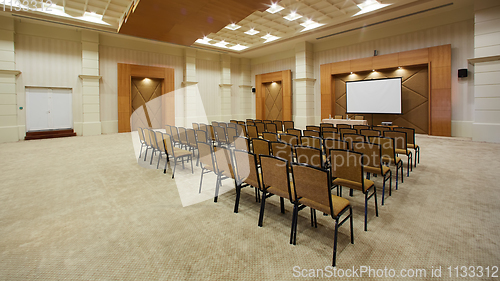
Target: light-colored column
(8, 99)
(90, 85)
(245, 90)
(304, 85)
(225, 88)
(486, 126)
(191, 96)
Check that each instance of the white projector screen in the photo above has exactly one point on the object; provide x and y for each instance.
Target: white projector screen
(374, 96)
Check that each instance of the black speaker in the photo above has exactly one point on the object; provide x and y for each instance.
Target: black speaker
(253, 90)
(462, 73)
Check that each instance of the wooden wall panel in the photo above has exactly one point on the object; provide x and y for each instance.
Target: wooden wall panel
(361, 64)
(285, 77)
(415, 57)
(341, 67)
(326, 90)
(287, 94)
(385, 61)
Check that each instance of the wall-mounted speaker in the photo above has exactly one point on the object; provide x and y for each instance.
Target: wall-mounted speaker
(253, 90)
(462, 73)
(375, 53)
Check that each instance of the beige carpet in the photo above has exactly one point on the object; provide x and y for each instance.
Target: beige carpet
(82, 208)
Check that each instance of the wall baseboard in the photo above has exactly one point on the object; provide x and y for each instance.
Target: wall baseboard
(488, 132)
(109, 127)
(461, 129)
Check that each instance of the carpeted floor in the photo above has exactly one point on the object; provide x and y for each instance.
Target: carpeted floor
(82, 208)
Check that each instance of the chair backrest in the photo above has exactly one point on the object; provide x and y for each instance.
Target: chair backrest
(359, 117)
(334, 144)
(147, 137)
(387, 146)
(223, 124)
(191, 136)
(249, 120)
(349, 138)
(252, 123)
(261, 127)
(312, 183)
(174, 133)
(202, 127)
(332, 135)
(369, 133)
(220, 134)
(381, 128)
(257, 121)
(241, 130)
(223, 161)
(182, 135)
(201, 136)
(195, 126)
(240, 122)
(343, 126)
(372, 153)
(287, 125)
(270, 136)
(232, 125)
(329, 129)
(210, 132)
(168, 145)
(275, 173)
(206, 155)
(267, 121)
(313, 128)
(215, 123)
(311, 133)
(360, 127)
(338, 117)
(159, 141)
(271, 127)
(296, 132)
(279, 125)
(400, 139)
(282, 150)
(290, 139)
(309, 155)
(347, 131)
(312, 141)
(233, 121)
(410, 133)
(346, 165)
(245, 167)
(261, 147)
(326, 125)
(241, 143)
(231, 133)
(252, 132)
(141, 134)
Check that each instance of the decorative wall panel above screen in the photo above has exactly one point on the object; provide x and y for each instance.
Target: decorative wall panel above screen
(415, 96)
(143, 92)
(274, 101)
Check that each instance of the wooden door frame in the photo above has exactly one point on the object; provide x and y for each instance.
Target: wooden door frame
(285, 77)
(125, 74)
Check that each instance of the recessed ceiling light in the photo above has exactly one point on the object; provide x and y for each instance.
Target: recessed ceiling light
(233, 26)
(251, 32)
(205, 40)
(369, 6)
(274, 8)
(310, 24)
(238, 47)
(269, 38)
(221, 44)
(292, 16)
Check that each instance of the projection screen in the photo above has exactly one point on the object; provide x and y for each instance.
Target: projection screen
(374, 96)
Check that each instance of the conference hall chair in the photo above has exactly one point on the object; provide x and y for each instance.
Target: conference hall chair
(207, 161)
(343, 131)
(292, 140)
(176, 153)
(148, 139)
(160, 147)
(141, 139)
(347, 171)
(175, 136)
(401, 147)
(267, 121)
(249, 120)
(252, 132)
(311, 133)
(223, 167)
(270, 136)
(201, 136)
(349, 138)
(329, 129)
(360, 127)
(250, 123)
(288, 125)
(279, 126)
(193, 143)
(369, 133)
(313, 128)
(231, 125)
(389, 154)
(339, 117)
(220, 136)
(223, 124)
(261, 127)
(312, 187)
(330, 143)
(343, 126)
(310, 155)
(246, 173)
(326, 125)
(183, 137)
(241, 130)
(295, 132)
(195, 126)
(311, 141)
(359, 117)
(282, 150)
(261, 147)
(241, 123)
(202, 127)
(271, 127)
(233, 121)
(241, 143)
(231, 133)
(332, 135)
(410, 134)
(275, 181)
(372, 163)
(215, 123)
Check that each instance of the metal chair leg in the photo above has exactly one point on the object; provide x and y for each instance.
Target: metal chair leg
(262, 206)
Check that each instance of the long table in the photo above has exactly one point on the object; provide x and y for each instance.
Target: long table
(345, 121)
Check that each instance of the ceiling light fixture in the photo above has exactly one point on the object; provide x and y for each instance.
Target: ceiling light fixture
(232, 26)
(269, 38)
(369, 6)
(205, 40)
(292, 16)
(251, 32)
(221, 44)
(274, 8)
(238, 47)
(310, 24)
